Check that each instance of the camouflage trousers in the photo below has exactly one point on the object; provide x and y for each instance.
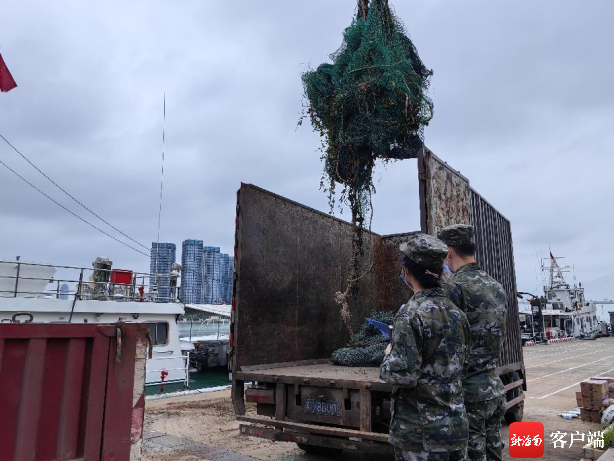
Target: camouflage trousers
(457, 455)
(485, 421)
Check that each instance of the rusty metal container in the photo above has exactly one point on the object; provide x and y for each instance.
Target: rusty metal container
(71, 391)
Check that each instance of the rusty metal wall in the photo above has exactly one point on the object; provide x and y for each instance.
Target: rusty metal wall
(66, 393)
(290, 260)
(494, 252)
(447, 198)
(446, 194)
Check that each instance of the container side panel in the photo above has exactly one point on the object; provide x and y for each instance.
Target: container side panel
(494, 252)
(29, 413)
(117, 425)
(447, 194)
(448, 200)
(11, 380)
(53, 383)
(95, 395)
(49, 423)
(71, 400)
(293, 260)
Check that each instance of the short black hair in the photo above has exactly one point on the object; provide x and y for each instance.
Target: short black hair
(423, 274)
(465, 250)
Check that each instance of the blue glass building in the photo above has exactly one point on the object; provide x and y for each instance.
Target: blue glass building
(226, 278)
(64, 290)
(211, 274)
(217, 276)
(192, 272)
(161, 262)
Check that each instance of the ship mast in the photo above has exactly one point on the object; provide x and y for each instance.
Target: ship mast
(556, 275)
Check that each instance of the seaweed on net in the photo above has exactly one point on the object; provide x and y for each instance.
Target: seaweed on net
(370, 103)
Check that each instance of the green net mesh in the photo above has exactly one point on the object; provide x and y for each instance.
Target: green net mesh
(366, 348)
(369, 103)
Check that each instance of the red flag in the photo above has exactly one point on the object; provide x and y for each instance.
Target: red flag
(7, 82)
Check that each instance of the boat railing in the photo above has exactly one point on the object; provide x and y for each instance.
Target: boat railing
(206, 327)
(38, 280)
(158, 371)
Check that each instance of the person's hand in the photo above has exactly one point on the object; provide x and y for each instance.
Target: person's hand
(388, 349)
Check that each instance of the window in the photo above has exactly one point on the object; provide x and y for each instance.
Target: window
(159, 333)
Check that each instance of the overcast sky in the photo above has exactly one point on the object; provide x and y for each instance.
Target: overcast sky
(523, 96)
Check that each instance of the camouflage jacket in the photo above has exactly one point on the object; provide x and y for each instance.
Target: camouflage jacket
(484, 302)
(430, 348)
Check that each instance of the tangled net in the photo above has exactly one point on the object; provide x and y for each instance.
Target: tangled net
(369, 104)
(366, 348)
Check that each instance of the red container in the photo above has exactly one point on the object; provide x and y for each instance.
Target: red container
(71, 391)
(121, 277)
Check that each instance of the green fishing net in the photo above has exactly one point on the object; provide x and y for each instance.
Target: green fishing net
(366, 348)
(369, 104)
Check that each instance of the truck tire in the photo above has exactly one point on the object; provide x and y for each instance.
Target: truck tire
(318, 450)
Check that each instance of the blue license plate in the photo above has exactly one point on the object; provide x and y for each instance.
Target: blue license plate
(322, 407)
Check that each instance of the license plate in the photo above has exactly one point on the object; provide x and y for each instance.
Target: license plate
(322, 407)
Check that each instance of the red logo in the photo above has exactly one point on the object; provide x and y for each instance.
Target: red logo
(526, 440)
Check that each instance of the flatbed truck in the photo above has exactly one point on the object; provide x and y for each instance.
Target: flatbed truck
(290, 260)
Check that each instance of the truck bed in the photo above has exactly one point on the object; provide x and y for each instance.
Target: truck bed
(317, 373)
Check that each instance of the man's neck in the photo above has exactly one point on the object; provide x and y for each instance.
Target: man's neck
(465, 261)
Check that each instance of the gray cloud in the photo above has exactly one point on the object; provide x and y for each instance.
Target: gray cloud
(523, 107)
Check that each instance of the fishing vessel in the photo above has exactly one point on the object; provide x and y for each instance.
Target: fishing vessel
(39, 292)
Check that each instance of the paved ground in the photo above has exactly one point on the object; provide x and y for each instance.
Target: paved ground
(203, 427)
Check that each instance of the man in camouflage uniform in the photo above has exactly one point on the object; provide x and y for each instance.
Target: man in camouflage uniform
(484, 302)
(425, 361)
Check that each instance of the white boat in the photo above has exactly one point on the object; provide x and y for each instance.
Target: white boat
(566, 312)
(31, 292)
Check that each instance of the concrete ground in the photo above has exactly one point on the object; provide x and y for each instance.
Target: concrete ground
(203, 427)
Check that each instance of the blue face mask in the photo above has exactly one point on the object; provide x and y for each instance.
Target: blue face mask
(403, 278)
(447, 269)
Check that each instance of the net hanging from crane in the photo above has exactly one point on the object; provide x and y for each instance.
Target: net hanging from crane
(370, 103)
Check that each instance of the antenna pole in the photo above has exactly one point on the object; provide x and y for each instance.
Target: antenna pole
(164, 117)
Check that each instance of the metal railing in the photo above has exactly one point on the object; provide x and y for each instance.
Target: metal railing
(206, 327)
(37, 280)
(186, 369)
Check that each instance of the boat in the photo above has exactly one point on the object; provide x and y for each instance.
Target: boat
(207, 327)
(563, 312)
(32, 292)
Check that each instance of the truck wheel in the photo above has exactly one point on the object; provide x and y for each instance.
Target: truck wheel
(515, 414)
(318, 450)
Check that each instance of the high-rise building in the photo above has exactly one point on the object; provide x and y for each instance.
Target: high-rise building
(226, 278)
(64, 290)
(229, 284)
(192, 272)
(211, 274)
(217, 276)
(160, 267)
